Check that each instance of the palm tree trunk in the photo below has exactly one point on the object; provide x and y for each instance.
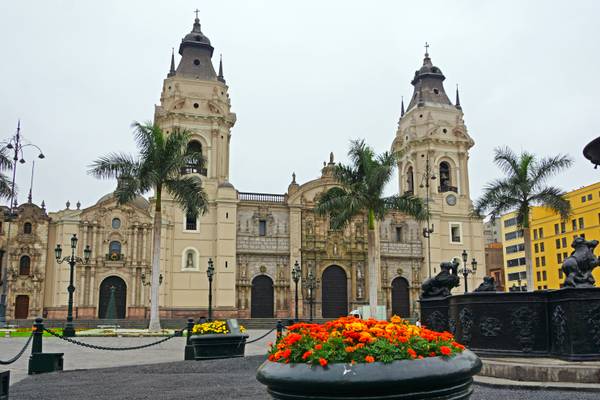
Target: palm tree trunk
(154, 287)
(528, 260)
(372, 256)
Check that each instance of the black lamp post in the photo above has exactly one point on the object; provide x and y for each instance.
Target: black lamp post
(16, 145)
(311, 284)
(466, 271)
(210, 271)
(428, 175)
(69, 330)
(296, 277)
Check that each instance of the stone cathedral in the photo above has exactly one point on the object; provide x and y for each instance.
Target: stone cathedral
(253, 238)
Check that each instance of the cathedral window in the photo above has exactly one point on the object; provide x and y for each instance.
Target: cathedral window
(27, 228)
(446, 178)
(114, 250)
(196, 62)
(410, 181)
(116, 223)
(25, 265)
(398, 234)
(191, 222)
(262, 227)
(455, 233)
(194, 152)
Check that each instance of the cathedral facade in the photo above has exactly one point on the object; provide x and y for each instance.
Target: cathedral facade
(253, 239)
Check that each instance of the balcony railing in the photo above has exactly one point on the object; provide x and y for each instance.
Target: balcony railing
(447, 188)
(261, 197)
(191, 169)
(115, 257)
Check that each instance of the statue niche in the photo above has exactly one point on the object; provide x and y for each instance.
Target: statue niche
(488, 285)
(441, 284)
(579, 265)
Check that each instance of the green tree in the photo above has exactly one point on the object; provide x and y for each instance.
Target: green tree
(158, 166)
(524, 186)
(360, 192)
(6, 164)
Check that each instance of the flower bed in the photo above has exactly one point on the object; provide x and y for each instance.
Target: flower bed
(218, 339)
(350, 358)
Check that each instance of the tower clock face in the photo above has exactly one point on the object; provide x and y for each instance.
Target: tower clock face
(451, 199)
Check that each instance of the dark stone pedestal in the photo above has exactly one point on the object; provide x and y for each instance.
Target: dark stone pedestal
(4, 384)
(45, 362)
(213, 346)
(561, 323)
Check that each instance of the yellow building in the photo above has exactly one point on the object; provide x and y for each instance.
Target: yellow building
(551, 238)
(513, 251)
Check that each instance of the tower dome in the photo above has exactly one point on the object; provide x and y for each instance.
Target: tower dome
(196, 55)
(428, 85)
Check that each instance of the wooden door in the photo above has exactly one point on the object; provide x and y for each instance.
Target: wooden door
(22, 307)
(262, 297)
(334, 292)
(400, 298)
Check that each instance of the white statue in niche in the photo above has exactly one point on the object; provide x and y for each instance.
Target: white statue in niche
(359, 274)
(189, 262)
(359, 292)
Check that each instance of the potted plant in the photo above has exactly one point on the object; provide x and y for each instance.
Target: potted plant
(351, 358)
(218, 339)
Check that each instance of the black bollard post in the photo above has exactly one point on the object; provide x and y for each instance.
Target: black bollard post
(40, 362)
(189, 348)
(279, 329)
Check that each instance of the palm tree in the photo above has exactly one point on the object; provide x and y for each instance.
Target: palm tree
(6, 164)
(522, 187)
(158, 167)
(360, 191)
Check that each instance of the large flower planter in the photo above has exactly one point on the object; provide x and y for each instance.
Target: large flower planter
(213, 346)
(447, 378)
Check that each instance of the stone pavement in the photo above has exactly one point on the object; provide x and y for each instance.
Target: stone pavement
(208, 380)
(77, 357)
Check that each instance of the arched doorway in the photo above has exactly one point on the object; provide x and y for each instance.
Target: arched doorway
(22, 307)
(334, 292)
(400, 298)
(262, 299)
(120, 296)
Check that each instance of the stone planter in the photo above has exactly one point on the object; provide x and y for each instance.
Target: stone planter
(213, 346)
(438, 378)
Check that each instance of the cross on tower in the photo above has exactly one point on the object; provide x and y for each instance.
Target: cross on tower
(426, 48)
(197, 11)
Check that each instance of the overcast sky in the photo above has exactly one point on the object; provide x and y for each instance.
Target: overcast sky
(305, 77)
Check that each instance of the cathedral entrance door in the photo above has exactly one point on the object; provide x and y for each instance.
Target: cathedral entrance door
(120, 299)
(334, 292)
(22, 307)
(400, 298)
(263, 301)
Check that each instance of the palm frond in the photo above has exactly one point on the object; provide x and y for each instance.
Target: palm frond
(409, 205)
(554, 199)
(6, 187)
(114, 165)
(6, 162)
(548, 167)
(188, 192)
(506, 160)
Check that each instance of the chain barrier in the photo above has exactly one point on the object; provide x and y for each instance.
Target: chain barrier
(96, 347)
(262, 337)
(19, 354)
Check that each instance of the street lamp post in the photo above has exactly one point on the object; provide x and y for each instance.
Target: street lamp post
(149, 283)
(311, 284)
(466, 271)
(428, 175)
(16, 145)
(69, 330)
(210, 271)
(296, 271)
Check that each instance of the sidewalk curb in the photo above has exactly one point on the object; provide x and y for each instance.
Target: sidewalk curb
(529, 385)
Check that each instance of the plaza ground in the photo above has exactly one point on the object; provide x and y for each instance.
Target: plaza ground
(158, 373)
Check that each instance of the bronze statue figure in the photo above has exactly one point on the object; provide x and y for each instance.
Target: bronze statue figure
(441, 284)
(579, 265)
(488, 285)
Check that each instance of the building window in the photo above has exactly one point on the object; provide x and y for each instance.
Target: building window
(542, 247)
(510, 222)
(445, 178)
(114, 250)
(537, 261)
(262, 228)
(541, 233)
(194, 164)
(191, 222)
(535, 234)
(581, 224)
(27, 228)
(560, 274)
(455, 234)
(25, 265)
(565, 255)
(515, 248)
(556, 229)
(583, 199)
(563, 226)
(189, 259)
(564, 242)
(559, 258)
(515, 262)
(589, 197)
(410, 181)
(543, 261)
(536, 248)
(513, 235)
(544, 276)
(558, 243)
(539, 276)
(574, 224)
(116, 223)
(398, 234)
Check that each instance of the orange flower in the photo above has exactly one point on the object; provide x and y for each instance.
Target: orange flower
(322, 361)
(306, 355)
(350, 349)
(369, 359)
(411, 352)
(318, 347)
(445, 350)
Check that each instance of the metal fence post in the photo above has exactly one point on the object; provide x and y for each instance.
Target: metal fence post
(40, 362)
(38, 332)
(279, 329)
(189, 348)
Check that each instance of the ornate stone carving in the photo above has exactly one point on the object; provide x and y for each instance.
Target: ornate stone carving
(488, 285)
(436, 321)
(441, 284)
(452, 325)
(490, 326)
(559, 327)
(579, 265)
(524, 320)
(465, 318)
(593, 321)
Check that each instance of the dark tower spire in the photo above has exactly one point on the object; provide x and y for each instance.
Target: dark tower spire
(457, 103)
(402, 107)
(196, 53)
(428, 84)
(220, 77)
(172, 70)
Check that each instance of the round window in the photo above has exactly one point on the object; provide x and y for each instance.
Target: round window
(196, 62)
(116, 223)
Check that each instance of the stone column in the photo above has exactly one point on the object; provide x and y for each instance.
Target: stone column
(134, 248)
(145, 246)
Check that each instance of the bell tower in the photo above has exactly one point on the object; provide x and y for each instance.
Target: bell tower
(195, 97)
(434, 144)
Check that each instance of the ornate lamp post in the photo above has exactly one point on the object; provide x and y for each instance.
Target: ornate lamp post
(69, 330)
(16, 145)
(144, 283)
(210, 271)
(296, 277)
(466, 271)
(428, 175)
(311, 284)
